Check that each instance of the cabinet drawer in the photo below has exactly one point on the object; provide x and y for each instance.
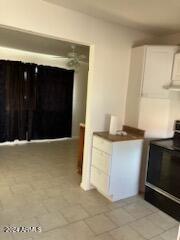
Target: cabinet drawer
(102, 144)
(101, 160)
(100, 180)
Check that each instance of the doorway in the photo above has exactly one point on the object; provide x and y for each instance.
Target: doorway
(47, 55)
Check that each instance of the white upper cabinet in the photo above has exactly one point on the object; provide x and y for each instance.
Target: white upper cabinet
(158, 65)
(176, 69)
(147, 104)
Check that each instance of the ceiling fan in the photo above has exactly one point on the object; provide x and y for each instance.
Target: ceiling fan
(73, 58)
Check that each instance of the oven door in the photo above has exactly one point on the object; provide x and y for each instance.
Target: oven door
(164, 170)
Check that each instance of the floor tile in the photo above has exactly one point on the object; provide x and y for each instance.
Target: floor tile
(13, 201)
(39, 185)
(74, 213)
(94, 208)
(146, 228)
(5, 191)
(126, 233)
(148, 205)
(32, 210)
(104, 236)
(55, 234)
(77, 231)
(157, 238)
(171, 234)
(133, 199)
(137, 210)
(5, 236)
(73, 195)
(51, 220)
(100, 224)
(21, 188)
(162, 220)
(31, 222)
(35, 197)
(53, 192)
(116, 204)
(120, 216)
(9, 216)
(55, 204)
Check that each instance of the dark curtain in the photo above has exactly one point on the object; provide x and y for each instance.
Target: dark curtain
(53, 115)
(3, 123)
(35, 101)
(13, 109)
(19, 99)
(30, 94)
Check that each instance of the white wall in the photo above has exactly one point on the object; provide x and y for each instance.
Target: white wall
(79, 98)
(174, 113)
(80, 79)
(109, 57)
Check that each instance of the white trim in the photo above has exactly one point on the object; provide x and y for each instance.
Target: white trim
(85, 187)
(8, 27)
(178, 237)
(86, 169)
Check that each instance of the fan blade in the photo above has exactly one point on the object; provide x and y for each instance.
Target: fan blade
(82, 56)
(59, 57)
(72, 54)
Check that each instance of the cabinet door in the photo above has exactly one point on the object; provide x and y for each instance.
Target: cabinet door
(176, 69)
(102, 144)
(157, 71)
(100, 180)
(154, 117)
(101, 160)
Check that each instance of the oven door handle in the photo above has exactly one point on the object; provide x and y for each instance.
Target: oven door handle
(166, 194)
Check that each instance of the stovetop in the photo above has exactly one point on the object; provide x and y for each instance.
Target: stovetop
(168, 143)
(171, 143)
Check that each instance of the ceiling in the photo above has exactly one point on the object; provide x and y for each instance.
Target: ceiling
(154, 16)
(39, 44)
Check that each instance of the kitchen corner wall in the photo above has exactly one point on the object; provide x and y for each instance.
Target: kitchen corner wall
(80, 79)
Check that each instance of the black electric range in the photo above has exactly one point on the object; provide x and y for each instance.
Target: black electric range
(163, 174)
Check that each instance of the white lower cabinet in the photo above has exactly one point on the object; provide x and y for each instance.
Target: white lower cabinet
(115, 167)
(101, 160)
(100, 180)
(102, 144)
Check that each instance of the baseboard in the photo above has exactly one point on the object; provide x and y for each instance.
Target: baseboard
(19, 142)
(75, 137)
(85, 187)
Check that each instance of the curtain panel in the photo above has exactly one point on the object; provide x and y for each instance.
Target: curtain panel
(35, 101)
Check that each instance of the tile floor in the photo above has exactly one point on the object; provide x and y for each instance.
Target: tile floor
(39, 186)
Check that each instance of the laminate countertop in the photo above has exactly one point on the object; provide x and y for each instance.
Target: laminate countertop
(132, 134)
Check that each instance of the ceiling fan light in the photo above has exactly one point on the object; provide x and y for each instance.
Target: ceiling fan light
(72, 54)
(74, 58)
